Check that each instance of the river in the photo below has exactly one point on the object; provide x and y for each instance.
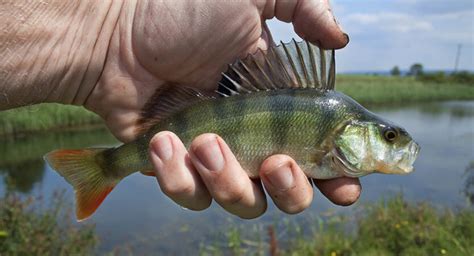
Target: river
(138, 216)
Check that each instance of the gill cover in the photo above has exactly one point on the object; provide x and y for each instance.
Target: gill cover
(366, 147)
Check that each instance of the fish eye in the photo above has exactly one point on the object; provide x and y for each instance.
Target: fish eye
(390, 134)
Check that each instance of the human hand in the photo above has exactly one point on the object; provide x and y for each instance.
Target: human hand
(190, 43)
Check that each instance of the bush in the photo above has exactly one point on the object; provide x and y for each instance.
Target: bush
(463, 77)
(436, 77)
(26, 228)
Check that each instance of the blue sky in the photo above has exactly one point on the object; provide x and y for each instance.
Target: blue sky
(385, 33)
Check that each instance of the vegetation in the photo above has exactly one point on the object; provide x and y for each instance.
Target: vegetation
(416, 70)
(365, 89)
(395, 71)
(387, 90)
(27, 228)
(389, 227)
(45, 117)
(21, 161)
(462, 77)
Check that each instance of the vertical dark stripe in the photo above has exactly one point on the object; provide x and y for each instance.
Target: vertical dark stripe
(221, 109)
(178, 123)
(281, 108)
(142, 144)
(110, 159)
(234, 109)
(181, 125)
(326, 118)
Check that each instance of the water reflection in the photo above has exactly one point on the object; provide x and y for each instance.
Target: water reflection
(21, 161)
(21, 177)
(455, 109)
(469, 183)
(137, 216)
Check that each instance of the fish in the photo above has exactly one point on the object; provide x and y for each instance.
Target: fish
(276, 101)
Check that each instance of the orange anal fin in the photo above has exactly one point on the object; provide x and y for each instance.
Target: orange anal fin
(149, 173)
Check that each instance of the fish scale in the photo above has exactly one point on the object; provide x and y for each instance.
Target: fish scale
(273, 127)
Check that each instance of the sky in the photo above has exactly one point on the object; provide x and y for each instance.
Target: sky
(385, 33)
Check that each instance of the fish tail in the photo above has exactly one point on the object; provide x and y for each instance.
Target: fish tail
(85, 172)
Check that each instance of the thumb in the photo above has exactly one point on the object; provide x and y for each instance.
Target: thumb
(312, 20)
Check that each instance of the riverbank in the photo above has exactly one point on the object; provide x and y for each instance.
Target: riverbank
(367, 90)
(46, 117)
(388, 227)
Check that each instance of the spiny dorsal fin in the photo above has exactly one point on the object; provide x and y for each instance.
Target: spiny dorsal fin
(166, 101)
(290, 65)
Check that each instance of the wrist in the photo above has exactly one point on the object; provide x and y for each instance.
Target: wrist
(55, 52)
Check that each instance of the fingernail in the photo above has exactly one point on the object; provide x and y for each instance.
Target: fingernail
(210, 155)
(281, 178)
(163, 148)
(347, 38)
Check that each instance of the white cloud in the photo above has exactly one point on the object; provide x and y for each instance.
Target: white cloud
(435, 6)
(388, 33)
(363, 18)
(389, 21)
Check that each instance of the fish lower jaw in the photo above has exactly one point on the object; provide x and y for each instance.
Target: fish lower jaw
(396, 170)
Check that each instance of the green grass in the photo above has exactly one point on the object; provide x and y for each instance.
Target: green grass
(390, 90)
(45, 117)
(365, 89)
(27, 227)
(389, 227)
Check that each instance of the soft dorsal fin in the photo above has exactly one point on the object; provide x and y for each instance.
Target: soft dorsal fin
(290, 65)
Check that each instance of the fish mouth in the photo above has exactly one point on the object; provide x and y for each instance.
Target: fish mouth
(404, 166)
(344, 166)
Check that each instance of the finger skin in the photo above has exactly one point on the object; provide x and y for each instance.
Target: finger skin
(341, 191)
(225, 179)
(175, 174)
(286, 184)
(313, 20)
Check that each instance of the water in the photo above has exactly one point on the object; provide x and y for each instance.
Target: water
(137, 215)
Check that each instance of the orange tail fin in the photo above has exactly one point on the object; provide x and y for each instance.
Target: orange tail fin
(80, 168)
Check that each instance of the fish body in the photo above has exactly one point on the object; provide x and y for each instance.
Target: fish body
(299, 122)
(279, 101)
